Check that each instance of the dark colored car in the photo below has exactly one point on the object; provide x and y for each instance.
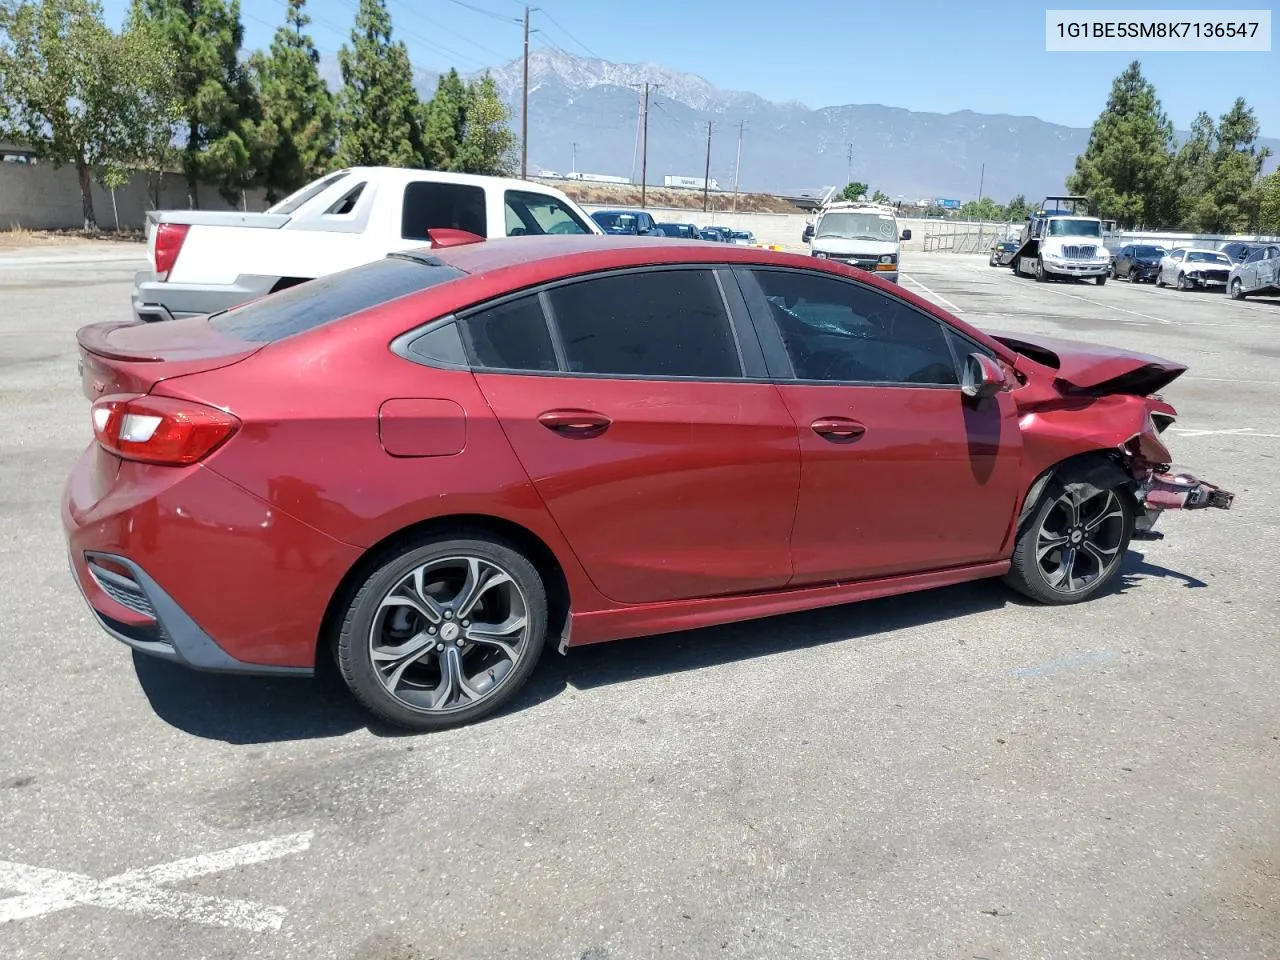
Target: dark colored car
(1137, 263)
(1002, 253)
(683, 231)
(433, 465)
(722, 232)
(624, 222)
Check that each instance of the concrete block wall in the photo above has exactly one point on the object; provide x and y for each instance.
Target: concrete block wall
(41, 196)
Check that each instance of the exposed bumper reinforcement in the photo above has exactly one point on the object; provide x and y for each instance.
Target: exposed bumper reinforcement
(1177, 491)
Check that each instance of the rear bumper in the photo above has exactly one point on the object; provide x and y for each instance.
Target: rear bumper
(155, 300)
(179, 563)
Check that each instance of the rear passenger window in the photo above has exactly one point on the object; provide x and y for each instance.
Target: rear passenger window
(655, 323)
(430, 204)
(533, 214)
(510, 336)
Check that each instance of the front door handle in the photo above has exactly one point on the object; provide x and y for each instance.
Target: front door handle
(838, 429)
(580, 424)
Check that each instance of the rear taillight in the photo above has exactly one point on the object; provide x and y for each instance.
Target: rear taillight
(160, 430)
(169, 238)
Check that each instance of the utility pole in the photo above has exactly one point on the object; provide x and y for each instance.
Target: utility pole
(981, 178)
(644, 145)
(706, 176)
(575, 158)
(737, 165)
(850, 180)
(524, 111)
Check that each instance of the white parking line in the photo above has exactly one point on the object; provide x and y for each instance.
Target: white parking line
(1105, 306)
(45, 891)
(937, 296)
(1247, 432)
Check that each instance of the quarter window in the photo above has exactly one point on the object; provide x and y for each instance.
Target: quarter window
(654, 323)
(840, 331)
(429, 204)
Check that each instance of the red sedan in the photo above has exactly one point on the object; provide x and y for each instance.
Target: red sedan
(434, 464)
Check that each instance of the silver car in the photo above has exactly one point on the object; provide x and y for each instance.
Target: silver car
(1259, 273)
(1187, 269)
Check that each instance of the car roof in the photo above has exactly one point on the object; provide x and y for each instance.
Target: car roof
(580, 253)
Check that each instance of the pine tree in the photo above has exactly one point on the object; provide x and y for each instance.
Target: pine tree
(218, 106)
(1217, 172)
(298, 112)
(444, 122)
(1124, 170)
(379, 114)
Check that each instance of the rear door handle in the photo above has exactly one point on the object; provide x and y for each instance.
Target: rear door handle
(838, 429)
(580, 424)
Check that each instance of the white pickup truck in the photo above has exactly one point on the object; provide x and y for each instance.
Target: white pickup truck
(205, 261)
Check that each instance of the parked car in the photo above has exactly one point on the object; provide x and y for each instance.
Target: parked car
(724, 232)
(623, 222)
(1002, 252)
(1137, 262)
(1258, 274)
(203, 261)
(432, 465)
(711, 234)
(1190, 269)
(742, 237)
(1239, 250)
(684, 231)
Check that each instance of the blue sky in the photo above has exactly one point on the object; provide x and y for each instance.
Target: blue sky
(930, 55)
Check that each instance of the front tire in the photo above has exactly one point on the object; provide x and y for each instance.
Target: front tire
(1183, 283)
(1041, 276)
(1236, 290)
(1074, 543)
(444, 632)
(1102, 279)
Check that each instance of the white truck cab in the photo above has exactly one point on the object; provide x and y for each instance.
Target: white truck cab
(204, 261)
(1061, 241)
(861, 234)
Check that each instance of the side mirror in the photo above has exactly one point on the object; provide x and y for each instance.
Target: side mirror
(808, 234)
(982, 377)
(906, 234)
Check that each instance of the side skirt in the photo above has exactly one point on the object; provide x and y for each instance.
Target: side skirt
(654, 618)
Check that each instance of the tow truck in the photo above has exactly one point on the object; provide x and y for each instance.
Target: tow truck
(1062, 239)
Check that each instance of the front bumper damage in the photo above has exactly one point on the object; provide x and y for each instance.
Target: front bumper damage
(1161, 491)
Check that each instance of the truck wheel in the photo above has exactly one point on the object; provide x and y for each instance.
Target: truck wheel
(1040, 274)
(1075, 542)
(1102, 279)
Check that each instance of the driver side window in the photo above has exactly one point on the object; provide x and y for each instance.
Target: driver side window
(840, 331)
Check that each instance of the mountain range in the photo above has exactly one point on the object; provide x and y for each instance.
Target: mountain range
(786, 147)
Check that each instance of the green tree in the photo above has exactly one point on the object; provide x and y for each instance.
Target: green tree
(488, 145)
(879, 197)
(379, 114)
(1018, 208)
(77, 92)
(1217, 172)
(854, 191)
(298, 113)
(1124, 170)
(445, 121)
(1269, 204)
(219, 111)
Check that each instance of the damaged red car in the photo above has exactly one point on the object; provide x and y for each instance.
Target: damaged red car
(432, 466)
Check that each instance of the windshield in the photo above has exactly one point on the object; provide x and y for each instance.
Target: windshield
(1075, 228)
(858, 226)
(617, 222)
(1206, 256)
(1148, 251)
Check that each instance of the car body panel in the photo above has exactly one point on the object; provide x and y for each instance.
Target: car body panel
(699, 480)
(1259, 273)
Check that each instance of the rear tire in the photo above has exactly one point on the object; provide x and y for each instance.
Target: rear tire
(1067, 555)
(443, 632)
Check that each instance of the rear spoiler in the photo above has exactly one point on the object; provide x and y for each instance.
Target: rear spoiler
(220, 218)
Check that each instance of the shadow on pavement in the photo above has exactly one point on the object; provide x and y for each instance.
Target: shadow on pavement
(246, 710)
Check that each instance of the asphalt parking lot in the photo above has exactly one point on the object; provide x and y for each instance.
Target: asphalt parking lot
(957, 774)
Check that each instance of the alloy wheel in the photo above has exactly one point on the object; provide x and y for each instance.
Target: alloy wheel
(449, 633)
(1237, 289)
(1079, 539)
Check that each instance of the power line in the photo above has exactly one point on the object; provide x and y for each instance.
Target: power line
(557, 23)
(488, 13)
